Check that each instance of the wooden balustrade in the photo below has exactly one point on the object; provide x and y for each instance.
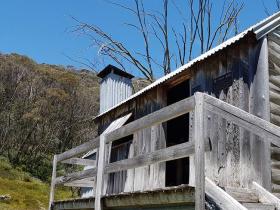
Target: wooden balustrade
(199, 103)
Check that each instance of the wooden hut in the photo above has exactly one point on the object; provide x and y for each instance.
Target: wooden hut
(209, 128)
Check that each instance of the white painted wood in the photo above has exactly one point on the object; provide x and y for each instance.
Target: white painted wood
(199, 136)
(265, 196)
(221, 198)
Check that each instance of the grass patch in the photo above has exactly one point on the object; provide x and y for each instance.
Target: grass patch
(26, 192)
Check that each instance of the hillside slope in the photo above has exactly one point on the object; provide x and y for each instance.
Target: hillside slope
(44, 110)
(25, 192)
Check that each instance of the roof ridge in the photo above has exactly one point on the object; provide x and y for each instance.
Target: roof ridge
(257, 29)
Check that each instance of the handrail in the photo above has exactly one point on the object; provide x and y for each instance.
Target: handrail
(200, 102)
(265, 196)
(85, 147)
(259, 126)
(170, 153)
(76, 176)
(222, 198)
(157, 117)
(162, 115)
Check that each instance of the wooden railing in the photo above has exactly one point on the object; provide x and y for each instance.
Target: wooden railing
(198, 103)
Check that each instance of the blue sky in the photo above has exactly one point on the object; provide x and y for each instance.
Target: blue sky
(40, 29)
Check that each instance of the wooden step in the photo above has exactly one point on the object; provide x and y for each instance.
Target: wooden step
(259, 206)
(243, 195)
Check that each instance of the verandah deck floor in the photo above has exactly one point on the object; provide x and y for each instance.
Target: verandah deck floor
(179, 197)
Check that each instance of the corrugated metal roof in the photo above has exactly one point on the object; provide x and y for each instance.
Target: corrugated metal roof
(260, 29)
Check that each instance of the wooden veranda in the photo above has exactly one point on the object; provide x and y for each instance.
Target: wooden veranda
(201, 105)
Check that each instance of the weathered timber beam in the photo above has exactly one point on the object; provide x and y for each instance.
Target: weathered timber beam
(100, 183)
(275, 188)
(76, 176)
(162, 155)
(275, 156)
(275, 175)
(275, 108)
(275, 80)
(199, 153)
(87, 182)
(221, 198)
(275, 119)
(242, 195)
(250, 122)
(265, 196)
(80, 184)
(80, 161)
(52, 188)
(273, 45)
(274, 96)
(275, 164)
(79, 149)
(162, 115)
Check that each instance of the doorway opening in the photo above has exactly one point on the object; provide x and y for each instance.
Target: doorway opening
(177, 171)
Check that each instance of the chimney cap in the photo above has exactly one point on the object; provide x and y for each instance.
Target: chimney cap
(112, 69)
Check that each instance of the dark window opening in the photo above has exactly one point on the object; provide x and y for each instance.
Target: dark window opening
(120, 149)
(177, 171)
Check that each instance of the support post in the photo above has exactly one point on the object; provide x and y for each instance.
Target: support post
(199, 152)
(260, 106)
(52, 189)
(100, 173)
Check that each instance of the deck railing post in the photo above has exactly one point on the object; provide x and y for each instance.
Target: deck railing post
(100, 173)
(199, 152)
(52, 189)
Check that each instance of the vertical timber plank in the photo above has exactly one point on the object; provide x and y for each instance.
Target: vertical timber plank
(158, 141)
(99, 176)
(53, 182)
(245, 155)
(259, 106)
(232, 130)
(199, 152)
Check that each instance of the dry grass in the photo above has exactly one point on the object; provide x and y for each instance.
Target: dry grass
(26, 192)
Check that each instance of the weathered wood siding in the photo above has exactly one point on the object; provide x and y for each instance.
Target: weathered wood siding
(237, 75)
(232, 77)
(274, 95)
(223, 78)
(144, 141)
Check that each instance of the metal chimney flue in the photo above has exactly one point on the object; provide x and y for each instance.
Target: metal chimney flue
(115, 86)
